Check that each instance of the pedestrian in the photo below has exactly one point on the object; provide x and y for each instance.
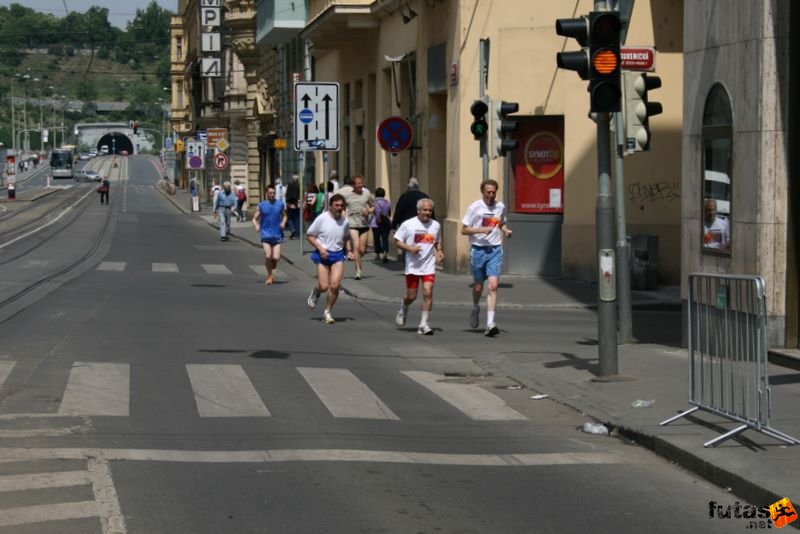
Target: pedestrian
(310, 206)
(406, 206)
(241, 198)
(224, 204)
(485, 224)
(420, 238)
(215, 189)
(333, 179)
(381, 224)
(104, 189)
(293, 205)
(360, 204)
(280, 190)
(319, 204)
(329, 235)
(270, 220)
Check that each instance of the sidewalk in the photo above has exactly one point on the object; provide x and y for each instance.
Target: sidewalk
(759, 470)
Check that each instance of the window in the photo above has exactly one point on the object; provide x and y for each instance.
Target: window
(179, 48)
(717, 139)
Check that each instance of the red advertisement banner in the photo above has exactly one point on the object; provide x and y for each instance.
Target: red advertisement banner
(538, 166)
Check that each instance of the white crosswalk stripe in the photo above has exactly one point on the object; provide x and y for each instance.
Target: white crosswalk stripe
(224, 391)
(215, 269)
(260, 270)
(344, 395)
(165, 268)
(112, 266)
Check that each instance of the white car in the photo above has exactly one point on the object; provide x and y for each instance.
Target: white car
(88, 176)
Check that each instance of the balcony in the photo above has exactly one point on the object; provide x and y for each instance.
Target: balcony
(334, 24)
(278, 21)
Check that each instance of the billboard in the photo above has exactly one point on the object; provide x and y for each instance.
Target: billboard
(538, 166)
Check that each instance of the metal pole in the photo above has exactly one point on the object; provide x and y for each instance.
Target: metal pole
(607, 305)
(623, 247)
(13, 120)
(484, 78)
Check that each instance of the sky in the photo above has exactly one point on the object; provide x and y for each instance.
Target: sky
(119, 11)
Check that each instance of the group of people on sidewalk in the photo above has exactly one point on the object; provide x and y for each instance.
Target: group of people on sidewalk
(340, 233)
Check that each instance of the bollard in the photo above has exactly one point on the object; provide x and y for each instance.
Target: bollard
(12, 191)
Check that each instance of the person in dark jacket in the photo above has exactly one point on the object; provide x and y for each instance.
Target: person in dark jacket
(293, 206)
(406, 206)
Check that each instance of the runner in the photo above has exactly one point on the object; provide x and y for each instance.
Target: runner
(360, 203)
(330, 237)
(269, 221)
(485, 224)
(420, 237)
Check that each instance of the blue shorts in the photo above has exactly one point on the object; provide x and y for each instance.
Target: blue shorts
(272, 240)
(486, 262)
(333, 257)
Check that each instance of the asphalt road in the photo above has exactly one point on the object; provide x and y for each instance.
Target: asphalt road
(160, 387)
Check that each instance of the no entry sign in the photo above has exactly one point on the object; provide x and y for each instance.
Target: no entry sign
(395, 134)
(220, 161)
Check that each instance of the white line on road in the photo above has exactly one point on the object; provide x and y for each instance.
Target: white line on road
(112, 266)
(97, 389)
(105, 495)
(24, 515)
(165, 268)
(471, 400)
(5, 370)
(259, 269)
(33, 481)
(224, 391)
(344, 395)
(215, 269)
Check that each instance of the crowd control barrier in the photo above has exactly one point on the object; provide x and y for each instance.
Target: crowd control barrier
(728, 367)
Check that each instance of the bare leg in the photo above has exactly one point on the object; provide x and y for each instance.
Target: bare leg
(336, 272)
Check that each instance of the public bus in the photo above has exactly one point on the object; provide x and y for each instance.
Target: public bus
(62, 162)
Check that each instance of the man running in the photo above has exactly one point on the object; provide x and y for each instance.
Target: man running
(360, 203)
(485, 224)
(269, 221)
(420, 237)
(330, 237)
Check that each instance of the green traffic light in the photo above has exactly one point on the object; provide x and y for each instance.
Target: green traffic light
(479, 129)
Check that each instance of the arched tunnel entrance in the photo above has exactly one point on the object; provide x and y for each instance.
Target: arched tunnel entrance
(116, 142)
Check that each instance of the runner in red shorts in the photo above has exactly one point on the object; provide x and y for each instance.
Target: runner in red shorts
(420, 238)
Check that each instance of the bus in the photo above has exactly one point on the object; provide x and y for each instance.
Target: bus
(62, 162)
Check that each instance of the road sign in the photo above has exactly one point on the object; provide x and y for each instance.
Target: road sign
(639, 58)
(222, 144)
(395, 134)
(214, 135)
(195, 155)
(316, 118)
(220, 161)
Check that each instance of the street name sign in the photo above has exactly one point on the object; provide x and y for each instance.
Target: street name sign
(638, 58)
(316, 116)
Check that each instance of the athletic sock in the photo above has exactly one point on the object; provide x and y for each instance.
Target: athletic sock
(489, 317)
(425, 316)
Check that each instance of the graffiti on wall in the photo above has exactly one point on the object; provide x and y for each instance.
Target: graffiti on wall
(663, 191)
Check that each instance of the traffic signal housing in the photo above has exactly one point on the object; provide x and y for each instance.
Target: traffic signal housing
(639, 109)
(479, 126)
(502, 126)
(578, 29)
(605, 85)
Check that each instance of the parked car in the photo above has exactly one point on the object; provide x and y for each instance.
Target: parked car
(93, 153)
(88, 175)
(83, 156)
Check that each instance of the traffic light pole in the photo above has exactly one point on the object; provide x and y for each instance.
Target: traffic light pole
(484, 76)
(607, 299)
(623, 247)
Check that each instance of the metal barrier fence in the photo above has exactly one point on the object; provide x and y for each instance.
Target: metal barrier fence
(728, 367)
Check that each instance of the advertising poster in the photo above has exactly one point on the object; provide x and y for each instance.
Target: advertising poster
(538, 166)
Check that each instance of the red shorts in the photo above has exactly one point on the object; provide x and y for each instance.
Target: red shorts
(412, 280)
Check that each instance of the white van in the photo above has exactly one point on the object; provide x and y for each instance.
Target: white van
(104, 150)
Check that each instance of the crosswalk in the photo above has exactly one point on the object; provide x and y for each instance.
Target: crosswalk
(215, 269)
(226, 390)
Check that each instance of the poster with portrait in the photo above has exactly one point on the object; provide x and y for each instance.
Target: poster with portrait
(538, 166)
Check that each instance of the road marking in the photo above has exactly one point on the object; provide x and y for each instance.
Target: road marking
(112, 266)
(215, 269)
(34, 264)
(32, 481)
(40, 432)
(97, 389)
(471, 400)
(260, 270)
(319, 455)
(344, 395)
(24, 515)
(5, 370)
(165, 268)
(224, 391)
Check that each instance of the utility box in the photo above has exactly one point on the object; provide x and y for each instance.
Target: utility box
(644, 261)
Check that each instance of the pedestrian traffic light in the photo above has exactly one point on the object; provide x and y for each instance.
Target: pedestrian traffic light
(638, 110)
(605, 88)
(501, 127)
(479, 126)
(578, 61)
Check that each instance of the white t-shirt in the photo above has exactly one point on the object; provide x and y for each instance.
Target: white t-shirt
(480, 214)
(717, 235)
(330, 232)
(280, 192)
(426, 235)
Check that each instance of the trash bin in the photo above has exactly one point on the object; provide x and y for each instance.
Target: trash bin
(644, 261)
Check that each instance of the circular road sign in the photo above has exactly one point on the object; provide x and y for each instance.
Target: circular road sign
(395, 134)
(306, 116)
(195, 162)
(220, 161)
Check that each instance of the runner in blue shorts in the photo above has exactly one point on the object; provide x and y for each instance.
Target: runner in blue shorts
(330, 236)
(485, 224)
(269, 221)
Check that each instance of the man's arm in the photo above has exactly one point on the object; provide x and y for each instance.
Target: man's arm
(256, 219)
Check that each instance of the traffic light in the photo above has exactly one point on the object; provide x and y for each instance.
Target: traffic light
(501, 126)
(578, 61)
(638, 110)
(605, 85)
(479, 126)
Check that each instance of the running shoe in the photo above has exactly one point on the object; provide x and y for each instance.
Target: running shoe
(491, 330)
(328, 318)
(474, 317)
(400, 318)
(313, 297)
(425, 330)
(358, 275)
(269, 280)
